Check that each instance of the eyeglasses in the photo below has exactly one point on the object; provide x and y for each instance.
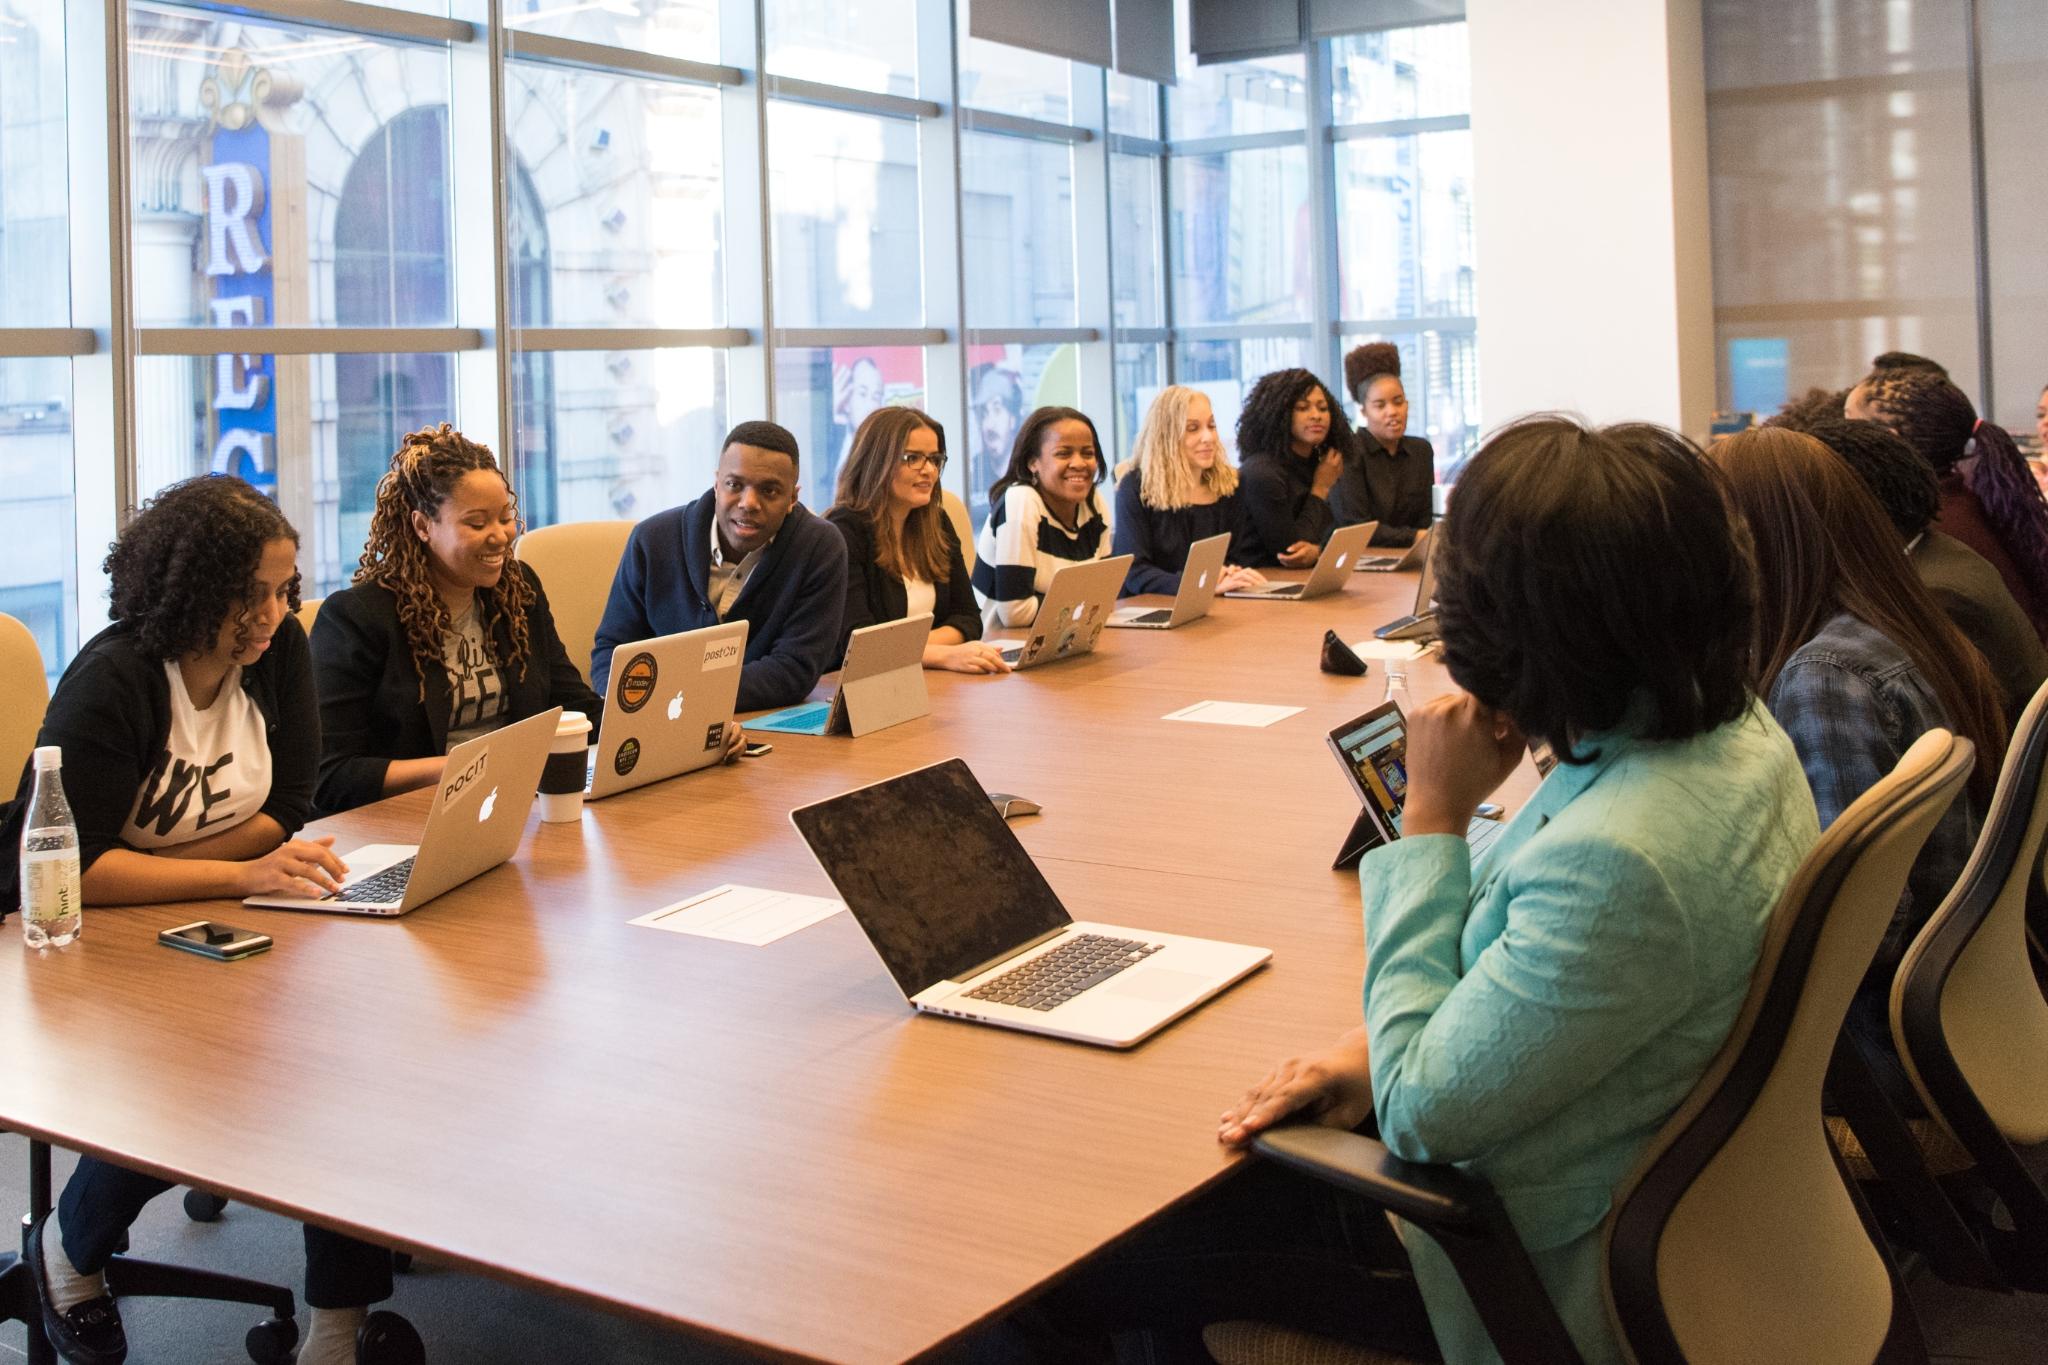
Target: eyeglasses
(913, 459)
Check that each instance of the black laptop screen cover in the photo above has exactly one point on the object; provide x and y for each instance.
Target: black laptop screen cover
(931, 872)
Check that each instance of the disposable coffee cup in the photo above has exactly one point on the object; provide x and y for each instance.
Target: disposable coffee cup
(561, 782)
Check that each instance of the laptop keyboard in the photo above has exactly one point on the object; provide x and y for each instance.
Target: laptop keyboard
(813, 714)
(1155, 617)
(1481, 833)
(379, 887)
(1056, 977)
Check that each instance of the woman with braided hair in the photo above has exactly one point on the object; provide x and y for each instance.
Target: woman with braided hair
(1989, 500)
(443, 637)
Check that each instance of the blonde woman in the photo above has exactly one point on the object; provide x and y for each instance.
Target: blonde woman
(1177, 489)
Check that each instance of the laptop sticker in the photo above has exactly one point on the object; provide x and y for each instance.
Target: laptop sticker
(724, 654)
(462, 781)
(627, 758)
(714, 735)
(636, 682)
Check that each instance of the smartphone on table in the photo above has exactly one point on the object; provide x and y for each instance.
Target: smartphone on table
(219, 941)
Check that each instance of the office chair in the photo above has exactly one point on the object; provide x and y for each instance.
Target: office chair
(576, 561)
(21, 678)
(963, 525)
(308, 612)
(1971, 1025)
(1739, 1209)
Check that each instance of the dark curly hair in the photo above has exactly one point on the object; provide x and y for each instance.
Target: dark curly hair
(1024, 449)
(1367, 362)
(1265, 424)
(1903, 483)
(1583, 567)
(1815, 405)
(1906, 360)
(1937, 419)
(423, 474)
(185, 563)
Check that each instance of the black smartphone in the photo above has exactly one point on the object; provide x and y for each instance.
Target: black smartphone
(756, 747)
(214, 940)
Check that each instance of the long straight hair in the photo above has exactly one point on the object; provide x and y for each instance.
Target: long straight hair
(1165, 478)
(864, 482)
(1823, 545)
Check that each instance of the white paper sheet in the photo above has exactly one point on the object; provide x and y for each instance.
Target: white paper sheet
(1389, 649)
(741, 914)
(1233, 713)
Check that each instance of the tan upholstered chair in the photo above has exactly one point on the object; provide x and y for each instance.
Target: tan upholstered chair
(963, 525)
(576, 562)
(27, 690)
(309, 611)
(1737, 1238)
(1969, 1018)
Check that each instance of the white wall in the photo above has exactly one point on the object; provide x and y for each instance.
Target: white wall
(1590, 210)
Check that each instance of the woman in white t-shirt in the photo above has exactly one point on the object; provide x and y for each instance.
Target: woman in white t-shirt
(191, 738)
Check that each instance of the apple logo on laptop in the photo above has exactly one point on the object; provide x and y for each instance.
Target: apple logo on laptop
(483, 812)
(1202, 582)
(675, 707)
(1341, 559)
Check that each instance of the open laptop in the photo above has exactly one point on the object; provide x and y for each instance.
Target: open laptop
(1332, 571)
(1373, 751)
(1419, 624)
(968, 926)
(880, 684)
(666, 707)
(1070, 619)
(1411, 558)
(1198, 579)
(473, 824)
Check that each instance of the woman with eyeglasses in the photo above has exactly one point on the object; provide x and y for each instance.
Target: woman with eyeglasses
(903, 556)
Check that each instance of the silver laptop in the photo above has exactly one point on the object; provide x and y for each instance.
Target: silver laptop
(969, 928)
(1333, 568)
(474, 823)
(1198, 579)
(1419, 624)
(880, 684)
(1411, 558)
(666, 707)
(1070, 619)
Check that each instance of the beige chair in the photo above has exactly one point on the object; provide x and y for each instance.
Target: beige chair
(963, 525)
(1738, 1237)
(1968, 1016)
(576, 562)
(309, 611)
(27, 689)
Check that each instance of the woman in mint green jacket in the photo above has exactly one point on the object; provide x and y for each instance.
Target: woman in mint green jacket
(1534, 1017)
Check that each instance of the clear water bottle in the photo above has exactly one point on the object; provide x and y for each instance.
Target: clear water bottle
(1397, 689)
(51, 903)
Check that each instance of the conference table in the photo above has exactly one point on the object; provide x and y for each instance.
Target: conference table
(760, 1145)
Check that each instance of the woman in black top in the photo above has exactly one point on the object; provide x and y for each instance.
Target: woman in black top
(1177, 489)
(1292, 437)
(902, 555)
(1395, 471)
(443, 637)
(191, 738)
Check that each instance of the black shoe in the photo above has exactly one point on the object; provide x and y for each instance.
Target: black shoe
(88, 1334)
(388, 1339)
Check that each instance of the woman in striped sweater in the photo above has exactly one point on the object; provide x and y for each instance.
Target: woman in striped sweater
(1044, 513)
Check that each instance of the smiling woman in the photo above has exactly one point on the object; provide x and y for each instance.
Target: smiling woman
(1044, 514)
(443, 637)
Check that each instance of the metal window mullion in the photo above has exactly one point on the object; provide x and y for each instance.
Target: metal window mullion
(812, 338)
(204, 341)
(1325, 276)
(479, 136)
(102, 382)
(1403, 127)
(1163, 169)
(942, 216)
(1243, 331)
(1980, 202)
(1237, 142)
(1012, 125)
(627, 338)
(547, 49)
(1091, 223)
(744, 196)
(43, 343)
(851, 100)
(1032, 336)
(347, 16)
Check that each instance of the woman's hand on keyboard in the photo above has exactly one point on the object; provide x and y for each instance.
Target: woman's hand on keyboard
(296, 867)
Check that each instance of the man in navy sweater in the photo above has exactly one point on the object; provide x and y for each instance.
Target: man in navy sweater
(745, 551)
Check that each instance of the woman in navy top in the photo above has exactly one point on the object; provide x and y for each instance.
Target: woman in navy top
(1177, 489)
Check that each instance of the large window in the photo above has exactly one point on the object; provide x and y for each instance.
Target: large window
(339, 224)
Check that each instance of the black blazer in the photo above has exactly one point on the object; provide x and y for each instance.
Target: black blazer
(874, 595)
(111, 715)
(370, 707)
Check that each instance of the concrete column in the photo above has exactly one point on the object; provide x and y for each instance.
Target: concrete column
(1589, 149)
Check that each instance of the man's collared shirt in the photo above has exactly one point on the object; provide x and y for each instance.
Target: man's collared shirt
(728, 578)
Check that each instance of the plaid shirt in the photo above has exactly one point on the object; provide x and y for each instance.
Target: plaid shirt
(1853, 703)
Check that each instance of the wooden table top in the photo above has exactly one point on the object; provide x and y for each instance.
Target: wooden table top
(764, 1145)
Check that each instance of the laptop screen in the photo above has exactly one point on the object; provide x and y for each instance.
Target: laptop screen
(931, 872)
(1374, 750)
(1425, 584)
